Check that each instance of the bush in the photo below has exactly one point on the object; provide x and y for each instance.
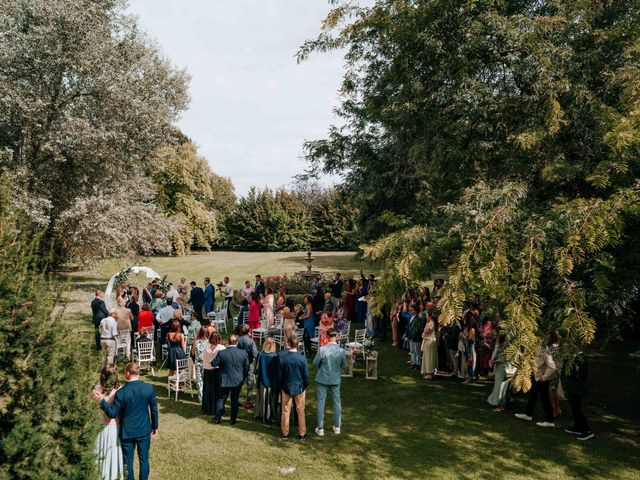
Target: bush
(48, 421)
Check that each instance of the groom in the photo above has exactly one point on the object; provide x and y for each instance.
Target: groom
(133, 403)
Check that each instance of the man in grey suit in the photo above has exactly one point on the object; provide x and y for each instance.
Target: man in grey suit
(234, 367)
(329, 361)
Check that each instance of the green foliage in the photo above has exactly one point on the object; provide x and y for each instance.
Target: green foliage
(269, 221)
(48, 421)
(501, 139)
(189, 192)
(85, 97)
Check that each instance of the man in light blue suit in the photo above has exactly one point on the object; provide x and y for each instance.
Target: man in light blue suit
(137, 406)
(209, 294)
(329, 361)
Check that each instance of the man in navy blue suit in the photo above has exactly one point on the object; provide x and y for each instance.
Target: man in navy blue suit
(294, 380)
(209, 295)
(137, 407)
(234, 367)
(197, 300)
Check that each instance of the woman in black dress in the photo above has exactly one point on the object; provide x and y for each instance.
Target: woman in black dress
(210, 374)
(176, 346)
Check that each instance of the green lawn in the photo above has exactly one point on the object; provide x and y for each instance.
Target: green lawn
(399, 426)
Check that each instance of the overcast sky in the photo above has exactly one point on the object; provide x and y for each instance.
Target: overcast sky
(252, 106)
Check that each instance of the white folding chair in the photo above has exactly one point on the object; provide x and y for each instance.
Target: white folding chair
(180, 380)
(245, 317)
(123, 344)
(316, 339)
(300, 336)
(144, 356)
(221, 319)
(358, 344)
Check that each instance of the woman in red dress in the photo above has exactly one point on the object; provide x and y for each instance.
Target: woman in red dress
(254, 312)
(351, 299)
(145, 318)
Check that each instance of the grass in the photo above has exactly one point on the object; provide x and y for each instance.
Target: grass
(396, 427)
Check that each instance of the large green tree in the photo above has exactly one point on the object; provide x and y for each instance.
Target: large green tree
(85, 101)
(500, 139)
(48, 421)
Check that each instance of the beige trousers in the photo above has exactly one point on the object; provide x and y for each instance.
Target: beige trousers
(286, 413)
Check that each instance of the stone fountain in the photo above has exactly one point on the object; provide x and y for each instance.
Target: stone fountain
(309, 273)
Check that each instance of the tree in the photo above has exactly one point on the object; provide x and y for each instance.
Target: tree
(85, 100)
(269, 221)
(500, 139)
(49, 422)
(192, 195)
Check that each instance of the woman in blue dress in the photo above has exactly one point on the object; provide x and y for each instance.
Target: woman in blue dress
(176, 341)
(267, 370)
(309, 323)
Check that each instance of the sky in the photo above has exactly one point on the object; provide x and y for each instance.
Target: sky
(252, 106)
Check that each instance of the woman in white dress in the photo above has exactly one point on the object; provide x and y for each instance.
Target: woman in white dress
(108, 449)
(267, 305)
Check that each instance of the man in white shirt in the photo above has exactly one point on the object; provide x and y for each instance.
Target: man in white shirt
(228, 295)
(108, 333)
(164, 317)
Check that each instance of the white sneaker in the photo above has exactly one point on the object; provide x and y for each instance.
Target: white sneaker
(523, 416)
(336, 430)
(545, 424)
(320, 432)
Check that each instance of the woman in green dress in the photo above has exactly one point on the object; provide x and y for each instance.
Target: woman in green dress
(498, 397)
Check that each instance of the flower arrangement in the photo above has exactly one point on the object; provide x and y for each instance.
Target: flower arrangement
(293, 284)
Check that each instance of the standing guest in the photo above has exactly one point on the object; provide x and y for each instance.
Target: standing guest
(350, 291)
(123, 292)
(177, 346)
(246, 343)
(267, 369)
(309, 322)
(315, 284)
(554, 383)
(254, 312)
(395, 321)
(260, 287)
(108, 448)
(148, 294)
(576, 387)
(361, 302)
(267, 305)
(108, 333)
(330, 360)
(247, 290)
(164, 318)
(197, 300)
(199, 346)
(228, 295)
(99, 311)
(206, 324)
(134, 307)
(545, 371)
(336, 287)
(145, 317)
(425, 295)
(469, 334)
(183, 290)
(282, 300)
(209, 295)
(192, 329)
(429, 346)
(326, 324)
(317, 302)
(328, 303)
(294, 380)
(211, 374)
(498, 397)
(244, 310)
(158, 301)
(486, 335)
(124, 318)
(234, 367)
(452, 338)
(414, 334)
(137, 407)
(340, 320)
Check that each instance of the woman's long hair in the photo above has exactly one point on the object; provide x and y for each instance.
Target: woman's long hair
(109, 378)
